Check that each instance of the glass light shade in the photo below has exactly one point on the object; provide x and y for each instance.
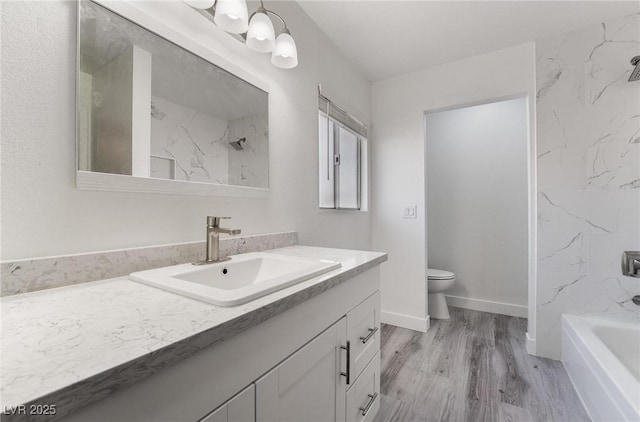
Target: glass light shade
(260, 36)
(285, 53)
(232, 16)
(200, 4)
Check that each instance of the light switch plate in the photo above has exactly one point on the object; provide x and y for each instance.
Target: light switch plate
(410, 212)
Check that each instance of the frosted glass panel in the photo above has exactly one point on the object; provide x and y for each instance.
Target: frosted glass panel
(326, 172)
(348, 180)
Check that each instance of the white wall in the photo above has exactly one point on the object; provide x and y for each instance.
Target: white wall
(588, 176)
(477, 203)
(398, 106)
(44, 214)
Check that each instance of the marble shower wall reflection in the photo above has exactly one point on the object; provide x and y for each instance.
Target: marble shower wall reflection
(188, 144)
(250, 166)
(194, 142)
(588, 141)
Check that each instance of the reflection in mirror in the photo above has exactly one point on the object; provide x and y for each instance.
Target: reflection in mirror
(149, 108)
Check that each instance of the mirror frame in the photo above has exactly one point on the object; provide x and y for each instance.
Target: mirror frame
(87, 180)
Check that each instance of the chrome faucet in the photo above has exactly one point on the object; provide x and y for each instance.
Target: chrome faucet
(213, 240)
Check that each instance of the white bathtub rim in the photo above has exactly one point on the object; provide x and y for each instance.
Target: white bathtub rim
(587, 384)
(610, 372)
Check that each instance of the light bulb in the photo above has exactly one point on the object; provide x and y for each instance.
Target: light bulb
(232, 16)
(285, 53)
(260, 36)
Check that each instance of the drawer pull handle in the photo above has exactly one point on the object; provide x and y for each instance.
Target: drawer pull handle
(372, 398)
(347, 374)
(372, 331)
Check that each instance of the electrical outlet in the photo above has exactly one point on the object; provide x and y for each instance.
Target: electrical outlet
(410, 212)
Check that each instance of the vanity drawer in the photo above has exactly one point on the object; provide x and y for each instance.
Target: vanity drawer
(363, 398)
(363, 333)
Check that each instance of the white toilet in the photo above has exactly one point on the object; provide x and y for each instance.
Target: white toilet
(437, 282)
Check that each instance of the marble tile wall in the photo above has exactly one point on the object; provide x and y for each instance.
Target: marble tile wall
(250, 166)
(588, 141)
(195, 140)
(29, 275)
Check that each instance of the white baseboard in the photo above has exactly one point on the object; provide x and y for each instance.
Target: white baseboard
(531, 345)
(487, 306)
(405, 321)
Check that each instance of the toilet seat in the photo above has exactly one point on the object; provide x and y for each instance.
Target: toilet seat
(433, 274)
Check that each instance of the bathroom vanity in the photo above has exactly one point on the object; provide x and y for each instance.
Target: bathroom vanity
(137, 353)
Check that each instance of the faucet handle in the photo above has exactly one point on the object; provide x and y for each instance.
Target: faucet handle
(215, 221)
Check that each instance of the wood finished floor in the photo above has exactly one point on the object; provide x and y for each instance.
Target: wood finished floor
(472, 367)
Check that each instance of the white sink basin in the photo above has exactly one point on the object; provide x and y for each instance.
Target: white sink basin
(244, 278)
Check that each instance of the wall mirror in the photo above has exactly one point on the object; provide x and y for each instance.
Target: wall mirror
(148, 108)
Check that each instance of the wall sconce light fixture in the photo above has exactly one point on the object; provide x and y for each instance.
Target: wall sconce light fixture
(257, 30)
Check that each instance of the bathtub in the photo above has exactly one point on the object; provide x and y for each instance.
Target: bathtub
(602, 358)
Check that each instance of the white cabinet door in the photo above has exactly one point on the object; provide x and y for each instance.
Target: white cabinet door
(363, 398)
(241, 408)
(363, 333)
(307, 386)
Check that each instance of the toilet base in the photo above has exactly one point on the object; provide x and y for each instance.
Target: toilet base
(438, 308)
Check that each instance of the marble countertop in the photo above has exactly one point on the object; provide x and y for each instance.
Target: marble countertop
(73, 345)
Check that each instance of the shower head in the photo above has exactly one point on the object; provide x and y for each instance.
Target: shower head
(635, 75)
(237, 145)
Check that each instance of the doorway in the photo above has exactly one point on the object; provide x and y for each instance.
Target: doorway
(478, 203)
